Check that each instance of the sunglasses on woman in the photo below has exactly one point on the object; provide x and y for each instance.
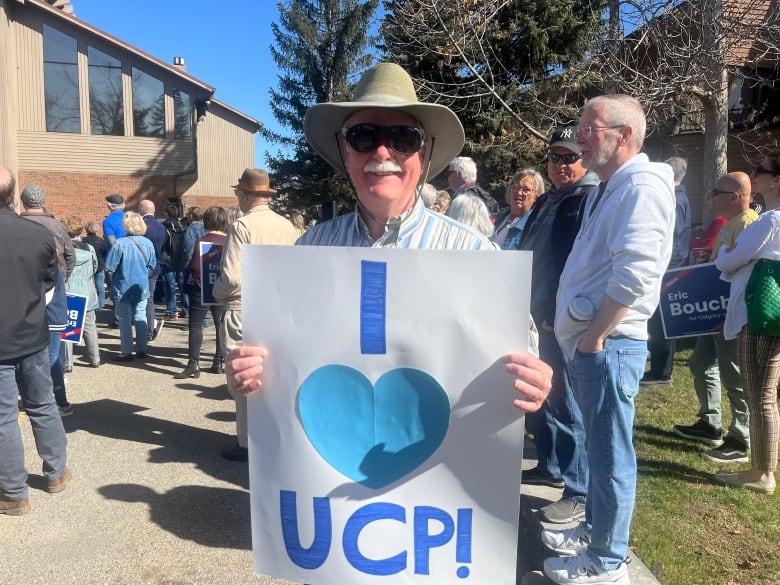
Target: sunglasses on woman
(566, 158)
(401, 139)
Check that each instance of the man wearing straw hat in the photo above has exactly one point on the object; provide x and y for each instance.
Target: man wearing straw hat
(388, 143)
(259, 225)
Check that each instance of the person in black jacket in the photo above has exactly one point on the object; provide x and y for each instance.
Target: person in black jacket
(99, 245)
(170, 258)
(155, 233)
(29, 268)
(462, 179)
(550, 231)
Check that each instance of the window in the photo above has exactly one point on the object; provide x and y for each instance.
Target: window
(182, 115)
(106, 108)
(60, 81)
(148, 105)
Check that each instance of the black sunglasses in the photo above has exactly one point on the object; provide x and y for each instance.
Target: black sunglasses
(763, 170)
(401, 139)
(566, 158)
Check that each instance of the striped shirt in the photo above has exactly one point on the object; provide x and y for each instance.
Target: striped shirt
(418, 228)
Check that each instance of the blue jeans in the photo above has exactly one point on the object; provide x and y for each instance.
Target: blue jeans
(100, 286)
(172, 280)
(34, 384)
(559, 434)
(57, 367)
(128, 312)
(605, 384)
(169, 280)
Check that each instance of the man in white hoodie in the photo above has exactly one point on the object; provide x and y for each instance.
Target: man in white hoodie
(608, 290)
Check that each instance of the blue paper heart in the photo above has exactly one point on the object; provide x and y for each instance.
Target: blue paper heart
(373, 434)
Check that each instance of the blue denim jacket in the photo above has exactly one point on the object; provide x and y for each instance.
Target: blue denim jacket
(130, 259)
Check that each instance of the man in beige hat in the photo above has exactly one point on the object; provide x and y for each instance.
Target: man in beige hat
(715, 359)
(388, 143)
(259, 225)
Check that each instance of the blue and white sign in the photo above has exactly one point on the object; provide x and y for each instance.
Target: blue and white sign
(77, 310)
(385, 447)
(693, 301)
(210, 258)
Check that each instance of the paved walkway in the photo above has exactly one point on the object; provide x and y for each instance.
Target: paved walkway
(151, 501)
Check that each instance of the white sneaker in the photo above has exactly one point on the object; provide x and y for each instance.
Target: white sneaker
(567, 542)
(580, 570)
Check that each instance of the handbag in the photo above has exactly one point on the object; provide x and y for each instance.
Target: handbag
(762, 296)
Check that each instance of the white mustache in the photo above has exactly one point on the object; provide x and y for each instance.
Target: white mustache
(386, 166)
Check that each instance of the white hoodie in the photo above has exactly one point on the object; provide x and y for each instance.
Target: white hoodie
(622, 250)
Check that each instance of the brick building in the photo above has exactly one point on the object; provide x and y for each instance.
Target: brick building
(85, 114)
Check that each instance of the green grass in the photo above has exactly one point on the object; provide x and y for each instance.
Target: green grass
(687, 529)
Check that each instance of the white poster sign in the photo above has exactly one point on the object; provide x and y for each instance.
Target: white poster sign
(385, 447)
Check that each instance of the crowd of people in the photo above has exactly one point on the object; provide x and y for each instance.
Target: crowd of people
(603, 233)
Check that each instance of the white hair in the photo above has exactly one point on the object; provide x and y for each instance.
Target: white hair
(465, 167)
(428, 194)
(470, 210)
(679, 167)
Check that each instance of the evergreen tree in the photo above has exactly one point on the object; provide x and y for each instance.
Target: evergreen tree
(319, 45)
(490, 60)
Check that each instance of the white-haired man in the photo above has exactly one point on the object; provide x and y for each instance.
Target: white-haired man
(608, 290)
(462, 179)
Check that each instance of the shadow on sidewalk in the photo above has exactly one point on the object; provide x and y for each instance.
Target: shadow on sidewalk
(210, 516)
(176, 442)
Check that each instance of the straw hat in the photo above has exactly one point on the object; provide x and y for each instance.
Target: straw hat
(385, 85)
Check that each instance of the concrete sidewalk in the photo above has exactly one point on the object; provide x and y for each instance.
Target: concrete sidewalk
(151, 501)
(531, 551)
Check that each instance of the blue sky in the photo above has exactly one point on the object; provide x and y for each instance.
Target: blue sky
(225, 44)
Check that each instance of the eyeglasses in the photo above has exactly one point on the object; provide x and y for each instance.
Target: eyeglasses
(764, 171)
(566, 158)
(588, 131)
(401, 139)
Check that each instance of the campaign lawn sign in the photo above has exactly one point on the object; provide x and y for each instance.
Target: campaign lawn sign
(77, 310)
(693, 301)
(210, 257)
(384, 445)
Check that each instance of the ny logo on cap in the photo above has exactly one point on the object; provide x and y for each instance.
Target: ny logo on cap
(567, 133)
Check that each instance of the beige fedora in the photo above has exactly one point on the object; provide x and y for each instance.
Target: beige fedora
(255, 181)
(385, 85)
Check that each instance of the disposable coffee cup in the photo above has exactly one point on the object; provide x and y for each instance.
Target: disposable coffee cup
(581, 309)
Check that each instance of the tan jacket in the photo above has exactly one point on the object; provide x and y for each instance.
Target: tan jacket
(260, 225)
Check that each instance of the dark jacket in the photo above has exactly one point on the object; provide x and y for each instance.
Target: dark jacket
(57, 309)
(28, 265)
(170, 255)
(155, 233)
(550, 233)
(475, 189)
(99, 245)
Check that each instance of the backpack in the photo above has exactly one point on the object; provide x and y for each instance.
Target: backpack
(170, 253)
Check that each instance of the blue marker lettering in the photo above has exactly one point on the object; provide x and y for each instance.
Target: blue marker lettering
(314, 556)
(373, 301)
(359, 520)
